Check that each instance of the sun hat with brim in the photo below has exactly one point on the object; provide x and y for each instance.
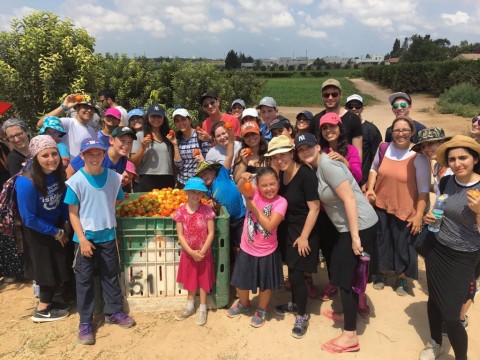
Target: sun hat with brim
(88, 103)
(54, 123)
(204, 165)
(195, 183)
(458, 141)
(430, 135)
(279, 145)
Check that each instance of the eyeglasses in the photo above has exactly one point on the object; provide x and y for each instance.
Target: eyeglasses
(207, 103)
(401, 131)
(17, 135)
(354, 106)
(333, 95)
(86, 107)
(402, 105)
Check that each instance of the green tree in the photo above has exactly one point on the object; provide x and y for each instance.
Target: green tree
(426, 49)
(43, 58)
(232, 61)
(257, 64)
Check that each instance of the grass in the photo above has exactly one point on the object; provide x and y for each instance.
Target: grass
(304, 92)
(462, 99)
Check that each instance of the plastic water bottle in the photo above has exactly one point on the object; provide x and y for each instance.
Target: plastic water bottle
(437, 211)
(361, 274)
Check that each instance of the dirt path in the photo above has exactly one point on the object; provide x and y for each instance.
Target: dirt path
(397, 330)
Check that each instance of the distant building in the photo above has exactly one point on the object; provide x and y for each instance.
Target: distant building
(286, 62)
(467, 57)
(336, 60)
(392, 61)
(368, 60)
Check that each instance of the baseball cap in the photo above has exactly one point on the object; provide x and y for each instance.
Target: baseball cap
(330, 118)
(123, 130)
(156, 109)
(195, 183)
(134, 112)
(279, 145)
(305, 113)
(249, 127)
(181, 112)
(267, 101)
(332, 82)
(250, 112)
(113, 112)
(354, 97)
(91, 143)
(54, 123)
(207, 95)
(279, 122)
(307, 139)
(401, 95)
(239, 102)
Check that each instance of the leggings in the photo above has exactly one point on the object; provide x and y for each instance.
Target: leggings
(299, 290)
(455, 331)
(47, 293)
(350, 305)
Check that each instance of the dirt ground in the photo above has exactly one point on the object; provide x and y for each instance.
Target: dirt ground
(398, 328)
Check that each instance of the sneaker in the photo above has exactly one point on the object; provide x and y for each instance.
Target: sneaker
(237, 309)
(431, 351)
(48, 315)
(464, 323)
(60, 306)
(85, 334)
(301, 325)
(401, 287)
(363, 308)
(328, 293)
(201, 317)
(379, 282)
(311, 289)
(258, 320)
(121, 319)
(289, 308)
(185, 313)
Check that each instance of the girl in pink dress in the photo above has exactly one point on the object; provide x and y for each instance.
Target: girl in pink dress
(195, 229)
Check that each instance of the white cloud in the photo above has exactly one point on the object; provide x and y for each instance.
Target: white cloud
(325, 21)
(312, 33)
(18, 13)
(220, 25)
(459, 17)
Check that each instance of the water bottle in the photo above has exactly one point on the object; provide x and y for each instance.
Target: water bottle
(360, 277)
(437, 211)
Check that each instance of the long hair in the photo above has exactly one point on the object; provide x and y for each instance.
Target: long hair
(475, 155)
(262, 150)
(39, 178)
(342, 144)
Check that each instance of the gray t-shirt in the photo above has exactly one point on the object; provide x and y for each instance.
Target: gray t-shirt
(156, 158)
(330, 174)
(217, 154)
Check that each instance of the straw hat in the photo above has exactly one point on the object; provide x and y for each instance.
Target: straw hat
(279, 145)
(458, 141)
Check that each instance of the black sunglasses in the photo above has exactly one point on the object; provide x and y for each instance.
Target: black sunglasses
(333, 94)
(207, 103)
(354, 106)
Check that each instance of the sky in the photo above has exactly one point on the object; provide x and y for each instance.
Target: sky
(257, 28)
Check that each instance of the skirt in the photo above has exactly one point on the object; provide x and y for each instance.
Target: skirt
(252, 272)
(195, 275)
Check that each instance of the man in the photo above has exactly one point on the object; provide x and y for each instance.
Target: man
(371, 136)
(331, 96)
(401, 104)
(107, 100)
(211, 106)
(79, 127)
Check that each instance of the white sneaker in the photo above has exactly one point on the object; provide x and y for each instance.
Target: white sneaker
(431, 351)
(201, 317)
(185, 313)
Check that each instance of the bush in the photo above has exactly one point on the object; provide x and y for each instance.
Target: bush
(462, 99)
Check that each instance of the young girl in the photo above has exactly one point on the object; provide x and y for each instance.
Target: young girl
(195, 230)
(258, 264)
(53, 126)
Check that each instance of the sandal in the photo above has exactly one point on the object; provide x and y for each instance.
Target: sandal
(333, 348)
(332, 315)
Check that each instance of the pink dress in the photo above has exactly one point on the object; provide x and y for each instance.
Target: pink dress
(195, 274)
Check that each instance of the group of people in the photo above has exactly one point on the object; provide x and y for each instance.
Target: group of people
(324, 184)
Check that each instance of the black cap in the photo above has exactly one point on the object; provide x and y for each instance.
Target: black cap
(308, 139)
(305, 113)
(155, 109)
(123, 130)
(279, 121)
(207, 95)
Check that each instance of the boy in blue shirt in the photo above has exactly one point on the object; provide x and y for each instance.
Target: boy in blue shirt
(91, 196)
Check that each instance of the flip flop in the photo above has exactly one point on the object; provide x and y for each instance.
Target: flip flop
(333, 348)
(332, 315)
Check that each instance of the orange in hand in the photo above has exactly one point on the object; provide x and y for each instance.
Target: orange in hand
(196, 152)
(171, 133)
(228, 125)
(248, 151)
(475, 193)
(199, 128)
(148, 136)
(247, 186)
(78, 98)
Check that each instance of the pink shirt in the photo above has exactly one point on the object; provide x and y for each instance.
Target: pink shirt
(257, 241)
(207, 124)
(195, 229)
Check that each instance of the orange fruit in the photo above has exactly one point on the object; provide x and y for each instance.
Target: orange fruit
(78, 98)
(228, 125)
(247, 186)
(148, 137)
(196, 152)
(248, 151)
(199, 128)
(171, 133)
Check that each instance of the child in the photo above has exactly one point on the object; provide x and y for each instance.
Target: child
(195, 229)
(91, 196)
(53, 126)
(258, 264)
(267, 109)
(130, 178)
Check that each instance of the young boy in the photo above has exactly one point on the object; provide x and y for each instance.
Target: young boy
(91, 196)
(267, 111)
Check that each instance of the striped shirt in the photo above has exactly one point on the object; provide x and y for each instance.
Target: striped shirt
(187, 165)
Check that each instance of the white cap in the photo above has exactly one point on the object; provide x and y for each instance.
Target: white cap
(354, 97)
(181, 112)
(250, 112)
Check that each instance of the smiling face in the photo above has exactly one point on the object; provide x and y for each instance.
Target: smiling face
(122, 145)
(93, 160)
(283, 160)
(331, 96)
(111, 121)
(268, 186)
(308, 154)
(210, 105)
(237, 110)
(155, 121)
(221, 136)
(330, 132)
(476, 126)
(208, 175)
(182, 123)
(303, 124)
(17, 137)
(401, 133)
(194, 196)
(401, 108)
(84, 113)
(251, 139)
(429, 149)
(136, 123)
(48, 159)
(267, 114)
(461, 162)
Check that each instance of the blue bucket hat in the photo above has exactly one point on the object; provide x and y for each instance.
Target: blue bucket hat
(195, 183)
(134, 112)
(54, 123)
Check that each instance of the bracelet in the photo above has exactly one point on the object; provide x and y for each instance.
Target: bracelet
(64, 107)
(59, 234)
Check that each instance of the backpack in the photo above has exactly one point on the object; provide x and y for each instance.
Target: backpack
(8, 207)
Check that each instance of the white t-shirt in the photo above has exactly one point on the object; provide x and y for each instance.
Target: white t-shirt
(217, 154)
(76, 133)
(124, 114)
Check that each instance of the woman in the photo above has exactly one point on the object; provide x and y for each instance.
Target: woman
(237, 107)
(356, 223)
(250, 114)
(152, 152)
(450, 265)
(252, 154)
(399, 183)
(302, 125)
(218, 153)
(135, 119)
(297, 235)
(189, 150)
(475, 131)
(17, 134)
(40, 190)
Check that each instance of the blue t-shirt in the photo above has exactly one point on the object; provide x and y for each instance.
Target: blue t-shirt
(104, 139)
(119, 167)
(71, 198)
(266, 132)
(63, 150)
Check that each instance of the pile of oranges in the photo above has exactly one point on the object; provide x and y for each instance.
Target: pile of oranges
(157, 203)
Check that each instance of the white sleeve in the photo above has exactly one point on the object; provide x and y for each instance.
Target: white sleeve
(422, 173)
(376, 161)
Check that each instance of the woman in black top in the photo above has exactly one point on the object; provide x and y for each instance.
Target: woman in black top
(17, 134)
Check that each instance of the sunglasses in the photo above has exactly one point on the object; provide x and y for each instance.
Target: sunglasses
(354, 106)
(327, 95)
(304, 119)
(475, 120)
(402, 105)
(207, 103)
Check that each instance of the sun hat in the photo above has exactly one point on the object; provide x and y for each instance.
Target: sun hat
(267, 101)
(113, 112)
(135, 112)
(87, 100)
(330, 118)
(279, 122)
(250, 112)
(91, 143)
(39, 143)
(401, 95)
(429, 135)
(54, 123)
(182, 112)
(305, 113)
(458, 141)
(207, 95)
(130, 167)
(239, 102)
(354, 97)
(119, 131)
(204, 165)
(307, 139)
(332, 82)
(249, 127)
(279, 145)
(195, 183)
